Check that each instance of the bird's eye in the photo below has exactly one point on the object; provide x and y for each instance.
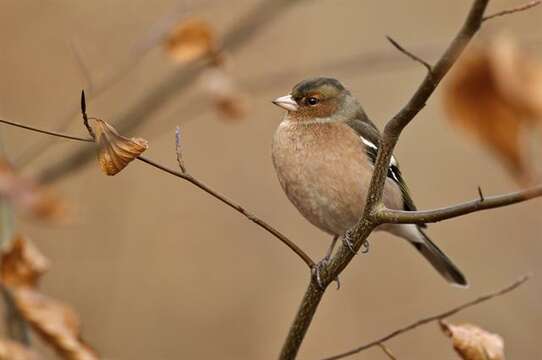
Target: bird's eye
(312, 101)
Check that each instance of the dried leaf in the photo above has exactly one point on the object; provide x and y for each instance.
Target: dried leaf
(224, 93)
(21, 267)
(28, 196)
(191, 39)
(11, 350)
(231, 107)
(474, 343)
(494, 93)
(114, 150)
(55, 321)
(22, 264)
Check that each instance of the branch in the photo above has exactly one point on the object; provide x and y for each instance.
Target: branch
(185, 176)
(433, 318)
(387, 351)
(409, 54)
(513, 10)
(369, 221)
(52, 133)
(244, 30)
(395, 126)
(386, 215)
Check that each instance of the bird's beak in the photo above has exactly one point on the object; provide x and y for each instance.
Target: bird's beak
(286, 102)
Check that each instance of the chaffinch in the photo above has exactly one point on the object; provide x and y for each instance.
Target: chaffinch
(324, 152)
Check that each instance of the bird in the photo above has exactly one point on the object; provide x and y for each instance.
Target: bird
(324, 151)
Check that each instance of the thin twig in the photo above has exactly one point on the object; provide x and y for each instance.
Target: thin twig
(85, 117)
(433, 318)
(409, 54)
(52, 133)
(513, 10)
(386, 215)
(185, 176)
(191, 179)
(387, 351)
(178, 149)
(481, 194)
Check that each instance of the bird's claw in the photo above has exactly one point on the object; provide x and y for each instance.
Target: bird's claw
(365, 247)
(316, 273)
(316, 269)
(347, 241)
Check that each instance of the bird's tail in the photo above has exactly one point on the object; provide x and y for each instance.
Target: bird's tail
(436, 257)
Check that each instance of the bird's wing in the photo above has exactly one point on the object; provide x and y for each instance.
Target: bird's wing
(371, 139)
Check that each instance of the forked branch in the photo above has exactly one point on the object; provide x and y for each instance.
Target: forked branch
(369, 219)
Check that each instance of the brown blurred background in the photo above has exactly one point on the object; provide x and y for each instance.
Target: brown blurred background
(159, 270)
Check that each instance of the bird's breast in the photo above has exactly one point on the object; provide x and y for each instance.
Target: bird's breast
(323, 171)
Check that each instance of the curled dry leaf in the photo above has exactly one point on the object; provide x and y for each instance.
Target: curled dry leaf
(22, 264)
(114, 150)
(224, 93)
(11, 350)
(495, 93)
(190, 39)
(473, 343)
(28, 196)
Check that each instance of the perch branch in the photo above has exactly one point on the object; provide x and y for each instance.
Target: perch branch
(194, 181)
(369, 221)
(385, 215)
(433, 318)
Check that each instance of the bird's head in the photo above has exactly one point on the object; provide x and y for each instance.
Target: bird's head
(319, 98)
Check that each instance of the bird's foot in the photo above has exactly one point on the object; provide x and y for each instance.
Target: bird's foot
(317, 270)
(347, 241)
